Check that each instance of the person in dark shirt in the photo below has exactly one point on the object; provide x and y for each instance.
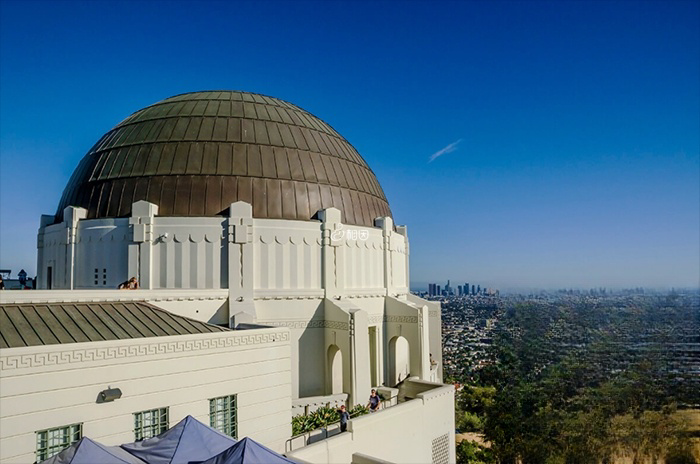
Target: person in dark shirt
(374, 402)
(131, 284)
(344, 417)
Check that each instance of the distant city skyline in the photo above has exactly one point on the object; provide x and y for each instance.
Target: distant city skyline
(528, 144)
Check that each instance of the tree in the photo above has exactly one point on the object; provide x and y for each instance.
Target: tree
(469, 452)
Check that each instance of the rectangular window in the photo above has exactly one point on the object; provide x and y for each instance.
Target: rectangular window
(150, 423)
(222, 415)
(53, 441)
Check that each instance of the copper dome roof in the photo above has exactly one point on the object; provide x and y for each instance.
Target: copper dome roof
(195, 154)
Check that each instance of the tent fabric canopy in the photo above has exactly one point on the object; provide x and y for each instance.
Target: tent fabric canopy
(87, 451)
(188, 440)
(246, 451)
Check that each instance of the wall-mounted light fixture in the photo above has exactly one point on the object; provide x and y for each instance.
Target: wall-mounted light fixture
(109, 395)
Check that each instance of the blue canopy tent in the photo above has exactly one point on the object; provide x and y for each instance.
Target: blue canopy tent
(86, 451)
(247, 451)
(188, 440)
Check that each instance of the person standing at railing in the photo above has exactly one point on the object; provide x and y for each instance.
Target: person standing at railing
(344, 417)
(374, 401)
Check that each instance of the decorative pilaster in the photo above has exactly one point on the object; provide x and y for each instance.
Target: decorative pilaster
(41, 266)
(403, 230)
(359, 355)
(240, 264)
(386, 223)
(424, 337)
(332, 238)
(141, 223)
(71, 217)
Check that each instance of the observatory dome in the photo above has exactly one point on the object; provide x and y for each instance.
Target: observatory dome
(195, 154)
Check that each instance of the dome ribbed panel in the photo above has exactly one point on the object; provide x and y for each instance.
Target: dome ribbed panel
(195, 154)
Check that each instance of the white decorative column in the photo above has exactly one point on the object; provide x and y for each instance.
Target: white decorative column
(332, 230)
(403, 230)
(141, 224)
(241, 262)
(359, 355)
(386, 224)
(41, 265)
(71, 216)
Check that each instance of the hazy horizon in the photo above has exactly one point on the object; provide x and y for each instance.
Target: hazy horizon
(423, 286)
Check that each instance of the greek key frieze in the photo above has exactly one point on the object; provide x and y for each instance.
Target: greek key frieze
(398, 319)
(402, 319)
(119, 352)
(312, 324)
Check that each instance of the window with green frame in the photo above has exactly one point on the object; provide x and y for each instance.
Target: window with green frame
(222, 415)
(52, 441)
(150, 423)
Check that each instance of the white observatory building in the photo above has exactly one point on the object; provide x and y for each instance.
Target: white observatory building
(272, 280)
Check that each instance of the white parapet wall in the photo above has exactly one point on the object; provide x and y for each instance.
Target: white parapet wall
(209, 306)
(246, 255)
(43, 387)
(417, 431)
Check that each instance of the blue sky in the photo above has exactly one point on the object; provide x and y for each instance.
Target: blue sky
(578, 123)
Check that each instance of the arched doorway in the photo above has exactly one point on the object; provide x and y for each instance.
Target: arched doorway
(334, 368)
(399, 360)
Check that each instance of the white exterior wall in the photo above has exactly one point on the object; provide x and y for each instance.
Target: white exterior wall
(435, 334)
(305, 320)
(103, 245)
(417, 431)
(287, 256)
(336, 287)
(53, 242)
(51, 386)
(187, 253)
(193, 253)
(361, 261)
(399, 264)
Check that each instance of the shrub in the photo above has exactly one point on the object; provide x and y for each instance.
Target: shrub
(322, 417)
(358, 410)
(468, 422)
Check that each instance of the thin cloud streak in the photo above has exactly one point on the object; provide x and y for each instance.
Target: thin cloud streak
(448, 149)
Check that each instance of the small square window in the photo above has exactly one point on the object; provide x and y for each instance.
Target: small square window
(52, 441)
(223, 415)
(150, 423)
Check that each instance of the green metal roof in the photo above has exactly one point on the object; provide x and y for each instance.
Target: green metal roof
(54, 323)
(195, 154)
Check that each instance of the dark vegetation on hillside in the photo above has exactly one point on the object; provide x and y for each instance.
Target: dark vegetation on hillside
(585, 381)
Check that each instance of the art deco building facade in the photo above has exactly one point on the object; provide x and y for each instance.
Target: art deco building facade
(262, 231)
